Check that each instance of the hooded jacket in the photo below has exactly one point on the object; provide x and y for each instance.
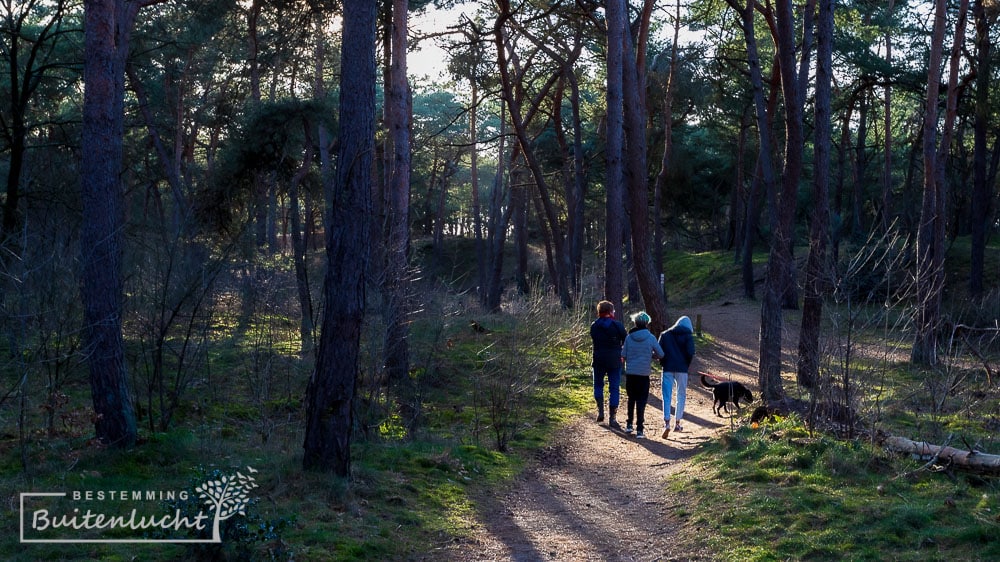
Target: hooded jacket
(608, 335)
(639, 350)
(678, 346)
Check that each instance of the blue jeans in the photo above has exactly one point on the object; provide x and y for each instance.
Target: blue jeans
(667, 386)
(614, 377)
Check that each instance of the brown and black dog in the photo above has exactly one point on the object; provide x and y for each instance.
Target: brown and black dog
(725, 392)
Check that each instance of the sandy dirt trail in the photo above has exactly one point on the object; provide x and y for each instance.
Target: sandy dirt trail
(598, 494)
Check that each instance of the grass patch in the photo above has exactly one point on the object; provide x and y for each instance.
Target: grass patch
(792, 497)
(703, 276)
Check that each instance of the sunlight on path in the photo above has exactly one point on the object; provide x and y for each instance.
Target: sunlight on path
(597, 494)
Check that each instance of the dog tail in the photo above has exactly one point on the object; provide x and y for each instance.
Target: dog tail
(706, 381)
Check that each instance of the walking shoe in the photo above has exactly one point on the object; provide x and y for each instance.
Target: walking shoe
(666, 432)
(640, 435)
(613, 424)
(678, 427)
(628, 428)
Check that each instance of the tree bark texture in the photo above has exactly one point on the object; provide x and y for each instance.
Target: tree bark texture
(397, 243)
(981, 200)
(794, 147)
(925, 341)
(330, 391)
(769, 367)
(299, 242)
(614, 280)
(930, 234)
(108, 26)
(887, 212)
(500, 215)
(943, 455)
(817, 264)
(638, 192)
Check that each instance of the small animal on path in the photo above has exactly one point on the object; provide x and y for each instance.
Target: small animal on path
(726, 392)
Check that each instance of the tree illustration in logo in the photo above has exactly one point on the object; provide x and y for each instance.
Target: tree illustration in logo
(229, 495)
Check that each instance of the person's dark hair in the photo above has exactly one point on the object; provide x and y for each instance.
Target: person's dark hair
(605, 307)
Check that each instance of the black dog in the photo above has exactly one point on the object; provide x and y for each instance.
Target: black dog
(725, 392)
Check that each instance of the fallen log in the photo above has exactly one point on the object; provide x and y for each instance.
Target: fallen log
(951, 457)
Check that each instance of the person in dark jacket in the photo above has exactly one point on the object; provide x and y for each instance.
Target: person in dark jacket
(678, 351)
(638, 352)
(608, 335)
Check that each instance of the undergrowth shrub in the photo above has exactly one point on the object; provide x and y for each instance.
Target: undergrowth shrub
(246, 536)
(512, 363)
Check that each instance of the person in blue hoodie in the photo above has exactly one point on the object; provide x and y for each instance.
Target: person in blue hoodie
(639, 351)
(678, 351)
(608, 335)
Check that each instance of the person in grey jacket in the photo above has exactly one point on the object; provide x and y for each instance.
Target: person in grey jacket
(639, 350)
(678, 351)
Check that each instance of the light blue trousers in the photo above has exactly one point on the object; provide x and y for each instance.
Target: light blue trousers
(667, 384)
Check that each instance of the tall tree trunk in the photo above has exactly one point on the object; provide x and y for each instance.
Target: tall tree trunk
(519, 218)
(668, 143)
(779, 284)
(477, 219)
(171, 163)
(299, 246)
(981, 199)
(860, 164)
(107, 29)
(322, 135)
(395, 284)
(578, 196)
(944, 149)
(765, 176)
(887, 212)
(740, 192)
(794, 147)
(614, 280)
(843, 163)
(574, 204)
(500, 214)
(817, 268)
(808, 24)
(930, 239)
(638, 187)
(260, 185)
(330, 393)
(301, 232)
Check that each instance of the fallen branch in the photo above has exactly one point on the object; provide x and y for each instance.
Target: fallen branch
(968, 460)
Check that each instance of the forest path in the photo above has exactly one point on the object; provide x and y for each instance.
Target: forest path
(598, 494)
